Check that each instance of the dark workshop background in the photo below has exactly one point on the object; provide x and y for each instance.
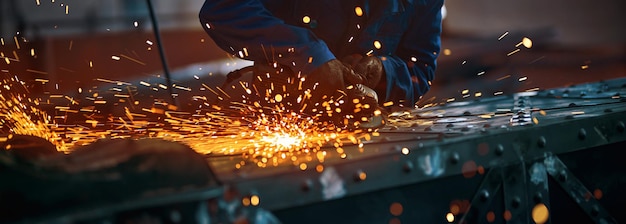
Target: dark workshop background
(73, 43)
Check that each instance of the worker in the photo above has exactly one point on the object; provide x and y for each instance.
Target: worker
(390, 46)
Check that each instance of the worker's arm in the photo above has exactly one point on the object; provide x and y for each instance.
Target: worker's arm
(409, 70)
(247, 29)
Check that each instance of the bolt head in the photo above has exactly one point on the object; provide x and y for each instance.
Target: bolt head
(484, 195)
(562, 176)
(621, 126)
(454, 158)
(541, 142)
(582, 134)
(538, 197)
(516, 202)
(499, 150)
(307, 185)
(595, 210)
(408, 167)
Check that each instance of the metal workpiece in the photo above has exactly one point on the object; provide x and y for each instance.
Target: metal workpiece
(502, 136)
(519, 158)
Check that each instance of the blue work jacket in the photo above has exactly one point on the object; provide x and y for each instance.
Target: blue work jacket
(303, 34)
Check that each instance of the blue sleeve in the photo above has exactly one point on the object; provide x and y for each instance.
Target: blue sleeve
(248, 30)
(410, 70)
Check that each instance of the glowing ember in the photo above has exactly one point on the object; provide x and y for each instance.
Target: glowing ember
(19, 116)
(266, 126)
(262, 136)
(282, 140)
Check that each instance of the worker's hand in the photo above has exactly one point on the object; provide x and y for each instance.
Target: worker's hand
(323, 94)
(328, 79)
(369, 70)
(326, 88)
(340, 94)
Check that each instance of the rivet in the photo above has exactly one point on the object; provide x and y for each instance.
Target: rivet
(595, 211)
(306, 185)
(541, 142)
(572, 105)
(484, 195)
(429, 128)
(582, 134)
(516, 202)
(408, 167)
(454, 159)
(562, 176)
(467, 113)
(499, 150)
(449, 125)
(620, 126)
(487, 125)
(538, 197)
(464, 129)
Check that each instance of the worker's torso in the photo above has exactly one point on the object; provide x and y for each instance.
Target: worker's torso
(342, 26)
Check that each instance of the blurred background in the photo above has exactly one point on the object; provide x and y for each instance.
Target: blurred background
(73, 45)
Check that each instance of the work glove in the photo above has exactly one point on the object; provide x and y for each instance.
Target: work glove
(369, 70)
(327, 80)
(343, 95)
(323, 94)
(301, 92)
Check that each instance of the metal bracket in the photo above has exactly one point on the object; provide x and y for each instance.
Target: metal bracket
(483, 197)
(576, 190)
(526, 193)
(515, 193)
